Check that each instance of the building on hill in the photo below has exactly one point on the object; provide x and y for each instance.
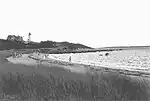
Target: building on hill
(15, 38)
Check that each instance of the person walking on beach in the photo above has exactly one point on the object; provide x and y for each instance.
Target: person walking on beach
(69, 58)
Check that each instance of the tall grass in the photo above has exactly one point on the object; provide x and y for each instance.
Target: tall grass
(99, 87)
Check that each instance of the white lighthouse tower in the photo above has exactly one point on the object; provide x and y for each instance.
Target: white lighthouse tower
(29, 37)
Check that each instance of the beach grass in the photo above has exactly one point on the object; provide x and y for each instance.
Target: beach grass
(27, 83)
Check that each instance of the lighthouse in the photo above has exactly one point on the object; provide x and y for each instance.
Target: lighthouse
(29, 37)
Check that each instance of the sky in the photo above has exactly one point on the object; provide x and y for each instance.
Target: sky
(95, 23)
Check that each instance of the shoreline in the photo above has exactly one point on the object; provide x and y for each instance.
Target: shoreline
(74, 67)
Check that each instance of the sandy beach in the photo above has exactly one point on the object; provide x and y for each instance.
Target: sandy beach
(81, 62)
(135, 60)
(33, 60)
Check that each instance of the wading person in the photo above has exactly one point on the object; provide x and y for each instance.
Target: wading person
(106, 54)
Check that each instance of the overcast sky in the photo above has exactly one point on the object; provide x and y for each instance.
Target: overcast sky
(96, 23)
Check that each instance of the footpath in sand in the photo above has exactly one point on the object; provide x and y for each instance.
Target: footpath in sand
(22, 60)
(33, 60)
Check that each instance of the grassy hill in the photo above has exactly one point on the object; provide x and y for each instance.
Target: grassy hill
(7, 44)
